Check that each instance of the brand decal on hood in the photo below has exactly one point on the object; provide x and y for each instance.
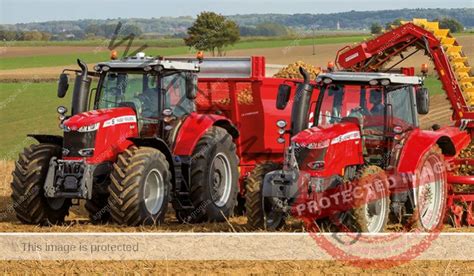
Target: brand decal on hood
(120, 120)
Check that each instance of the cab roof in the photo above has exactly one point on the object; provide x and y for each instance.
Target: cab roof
(364, 77)
(140, 61)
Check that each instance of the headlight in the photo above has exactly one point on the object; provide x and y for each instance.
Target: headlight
(281, 124)
(327, 80)
(61, 109)
(385, 82)
(373, 82)
(90, 128)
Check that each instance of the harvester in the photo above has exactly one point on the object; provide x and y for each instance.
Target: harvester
(365, 126)
(153, 131)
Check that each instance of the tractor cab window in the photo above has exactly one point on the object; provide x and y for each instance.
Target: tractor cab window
(138, 91)
(173, 87)
(340, 101)
(402, 102)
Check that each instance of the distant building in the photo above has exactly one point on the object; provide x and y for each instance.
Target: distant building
(338, 26)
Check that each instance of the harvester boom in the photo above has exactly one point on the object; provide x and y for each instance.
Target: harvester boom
(449, 60)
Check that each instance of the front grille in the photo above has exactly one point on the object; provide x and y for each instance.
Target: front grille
(75, 141)
(304, 155)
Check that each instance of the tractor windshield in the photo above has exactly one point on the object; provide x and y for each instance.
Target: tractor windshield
(340, 101)
(147, 94)
(368, 104)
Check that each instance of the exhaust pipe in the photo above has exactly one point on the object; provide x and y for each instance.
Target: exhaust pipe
(80, 96)
(301, 103)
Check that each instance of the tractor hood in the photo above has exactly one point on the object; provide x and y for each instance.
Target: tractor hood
(106, 117)
(322, 136)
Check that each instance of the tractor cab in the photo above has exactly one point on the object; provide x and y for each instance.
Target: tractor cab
(155, 89)
(383, 107)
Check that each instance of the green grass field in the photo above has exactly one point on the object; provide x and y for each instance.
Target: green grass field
(103, 53)
(27, 108)
(31, 108)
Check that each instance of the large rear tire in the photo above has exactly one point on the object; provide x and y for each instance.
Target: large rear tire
(29, 201)
(430, 190)
(214, 176)
(258, 211)
(140, 187)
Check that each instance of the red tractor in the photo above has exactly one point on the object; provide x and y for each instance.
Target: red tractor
(364, 126)
(150, 134)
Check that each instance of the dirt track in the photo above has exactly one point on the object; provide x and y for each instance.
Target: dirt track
(232, 267)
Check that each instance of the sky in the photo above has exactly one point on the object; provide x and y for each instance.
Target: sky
(24, 11)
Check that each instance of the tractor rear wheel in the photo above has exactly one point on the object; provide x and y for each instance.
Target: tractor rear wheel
(29, 201)
(214, 176)
(430, 191)
(372, 214)
(259, 210)
(140, 187)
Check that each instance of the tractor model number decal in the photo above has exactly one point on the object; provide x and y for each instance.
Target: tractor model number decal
(353, 135)
(120, 120)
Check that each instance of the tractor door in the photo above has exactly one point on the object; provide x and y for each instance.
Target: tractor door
(176, 101)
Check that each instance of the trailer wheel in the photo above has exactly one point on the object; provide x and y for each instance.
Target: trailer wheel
(214, 176)
(372, 214)
(430, 190)
(259, 215)
(29, 202)
(140, 187)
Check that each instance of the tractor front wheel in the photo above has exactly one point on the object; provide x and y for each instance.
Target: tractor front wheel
(140, 187)
(260, 213)
(29, 201)
(214, 176)
(371, 215)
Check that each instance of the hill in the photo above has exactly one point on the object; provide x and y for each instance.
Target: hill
(176, 26)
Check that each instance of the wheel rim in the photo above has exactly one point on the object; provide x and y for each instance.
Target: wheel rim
(220, 180)
(375, 213)
(430, 194)
(153, 195)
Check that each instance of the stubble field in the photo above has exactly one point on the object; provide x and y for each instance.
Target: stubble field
(18, 121)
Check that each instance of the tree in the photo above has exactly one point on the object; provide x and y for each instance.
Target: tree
(452, 24)
(396, 22)
(212, 31)
(376, 28)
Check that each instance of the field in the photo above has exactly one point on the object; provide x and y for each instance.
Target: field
(30, 57)
(29, 107)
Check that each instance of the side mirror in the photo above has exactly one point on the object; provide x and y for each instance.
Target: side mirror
(63, 85)
(423, 101)
(191, 86)
(283, 97)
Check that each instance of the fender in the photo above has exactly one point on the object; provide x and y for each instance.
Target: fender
(451, 140)
(194, 127)
(49, 139)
